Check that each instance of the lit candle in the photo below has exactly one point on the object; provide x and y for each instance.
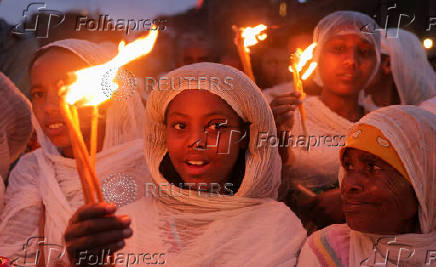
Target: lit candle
(244, 39)
(86, 91)
(298, 60)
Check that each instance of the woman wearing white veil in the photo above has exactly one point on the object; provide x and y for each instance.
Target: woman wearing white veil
(388, 185)
(182, 227)
(405, 76)
(45, 189)
(348, 56)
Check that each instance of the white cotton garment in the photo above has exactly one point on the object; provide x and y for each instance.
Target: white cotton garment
(318, 165)
(412, 132)
(15, 123)
(44, 178)
(280, 89)
(414, 77)
(247, 229)
(429, 104)
(15, 127)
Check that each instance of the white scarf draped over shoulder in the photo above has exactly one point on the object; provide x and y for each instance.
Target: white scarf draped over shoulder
(44, 178)
(15, 127)
(246, 229)
(317, 166)
(414, 77)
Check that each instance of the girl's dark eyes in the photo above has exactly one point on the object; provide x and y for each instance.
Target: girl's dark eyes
(179, 125)
(216, 125)
(36, 94)
(212, 126)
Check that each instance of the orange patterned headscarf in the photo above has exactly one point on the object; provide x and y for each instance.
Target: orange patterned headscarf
(370, 139)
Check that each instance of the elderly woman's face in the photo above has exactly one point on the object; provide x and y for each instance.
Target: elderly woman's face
(376, 197)
(203, 134)
(346, 63)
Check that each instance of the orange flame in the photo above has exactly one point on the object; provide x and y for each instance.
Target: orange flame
(87, 86)
(252, 35)
(303, 57)
(309, 70)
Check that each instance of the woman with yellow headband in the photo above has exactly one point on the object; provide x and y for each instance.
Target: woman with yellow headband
(388, 187)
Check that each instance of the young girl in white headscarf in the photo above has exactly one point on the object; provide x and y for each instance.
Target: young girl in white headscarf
(202, 132)
(405, 75)
(388, 184)
(44, 188)
(15, 127)
(348, 56)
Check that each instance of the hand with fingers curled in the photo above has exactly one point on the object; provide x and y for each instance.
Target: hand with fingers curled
(283, 108)
(95, 231)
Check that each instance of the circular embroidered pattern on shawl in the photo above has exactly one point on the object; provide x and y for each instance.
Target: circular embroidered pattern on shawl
(120, 189)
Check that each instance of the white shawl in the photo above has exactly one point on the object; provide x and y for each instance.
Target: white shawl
(15, 123)
(249, 228)
(319, 165)
(44, 177)
(412, 131)
(15, 127)
(413, 75)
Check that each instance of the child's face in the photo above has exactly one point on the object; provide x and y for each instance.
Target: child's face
(203, 134)
(346, 63)
(47, 72)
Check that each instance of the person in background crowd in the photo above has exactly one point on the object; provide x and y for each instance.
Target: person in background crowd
(405, 76)
(388, 172)
(348, 59)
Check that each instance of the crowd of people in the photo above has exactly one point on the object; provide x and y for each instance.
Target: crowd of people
(220, 197)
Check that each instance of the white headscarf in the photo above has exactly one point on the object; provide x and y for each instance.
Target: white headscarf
(341, 23)
(15, 127)
(45, 177)
(246, 229)
(412, 132)
(413, 75)
(15, 123)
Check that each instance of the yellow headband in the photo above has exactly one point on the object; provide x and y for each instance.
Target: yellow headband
(370, 139)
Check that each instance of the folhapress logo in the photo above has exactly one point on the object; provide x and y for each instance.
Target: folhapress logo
(38, 27)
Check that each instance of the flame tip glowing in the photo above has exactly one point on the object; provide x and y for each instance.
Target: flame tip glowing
(301, 58)
(252, 35)
(87, 89)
